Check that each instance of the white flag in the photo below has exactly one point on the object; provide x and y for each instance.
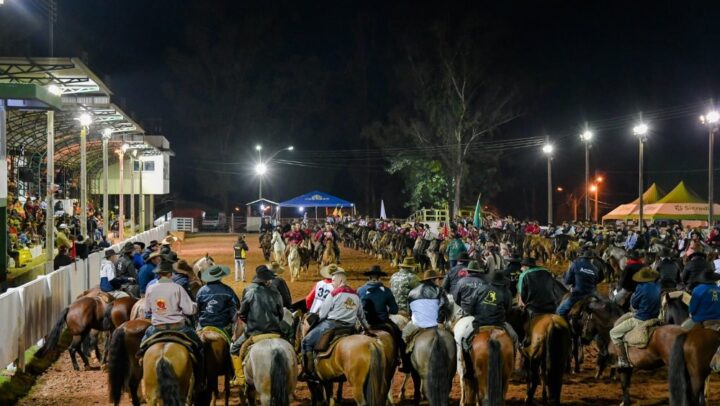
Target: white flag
(382, 210)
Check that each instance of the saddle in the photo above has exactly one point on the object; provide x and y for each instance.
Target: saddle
(577, 309)
(252, 340)
(410, 344)
(328, 340)
(639, 337)
(219, 331)
(170, 336)
(467, 343)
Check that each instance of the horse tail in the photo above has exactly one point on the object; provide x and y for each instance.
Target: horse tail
(107, 322)
(439, 377)
(494, 393)
(375, 380)
(168, 385)
(679, 385)
(279, 394)
(557, 343)
(54, 336)
(118, 365)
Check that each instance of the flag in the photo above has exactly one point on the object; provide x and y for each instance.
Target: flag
(335, 212)
(382, 210)
(477, 219)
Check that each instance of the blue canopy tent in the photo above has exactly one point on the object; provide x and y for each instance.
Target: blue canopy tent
(317, 199)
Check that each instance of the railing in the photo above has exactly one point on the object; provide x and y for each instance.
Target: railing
(29, 311)
(429, 215)
(186, 224)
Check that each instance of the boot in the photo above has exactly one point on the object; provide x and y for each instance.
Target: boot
(306, 374)
(239, 379)
(622, 361)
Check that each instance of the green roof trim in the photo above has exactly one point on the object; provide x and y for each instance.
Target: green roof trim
(32, 95)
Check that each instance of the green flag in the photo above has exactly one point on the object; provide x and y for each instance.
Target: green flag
(477, 219)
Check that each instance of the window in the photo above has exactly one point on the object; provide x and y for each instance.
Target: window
(148, 166)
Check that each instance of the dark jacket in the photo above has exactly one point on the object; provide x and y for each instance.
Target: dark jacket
(125, 267)
(61, 260)
(583, 276)
(261, 310)
(378, 302)
(217, 305)
(646, 301)
(705, 303)
(489, 305)
(693, 269)
(626, 281)
(428, 290)
(536, 290)
(282, 288)
(669, 273)
(182, 280)
(452, 277)
(238, 248)
(145, 275)
(468, 287)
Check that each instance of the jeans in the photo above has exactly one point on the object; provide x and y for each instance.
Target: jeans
(239, 269)
(308, 343)
(568, 303)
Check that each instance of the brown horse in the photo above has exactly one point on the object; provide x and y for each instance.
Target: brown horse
(82, 316)
(168, 376)
(689, 367)
(328, 256)
(492, 358)
(118, 312)
(433, 362)
(217, 363)
(124, 371)
(547, 356)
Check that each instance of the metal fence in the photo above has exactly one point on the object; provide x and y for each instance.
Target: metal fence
(29, 311)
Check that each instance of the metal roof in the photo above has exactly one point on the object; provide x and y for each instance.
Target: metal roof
(82, 92)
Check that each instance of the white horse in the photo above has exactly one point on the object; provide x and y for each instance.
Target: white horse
(294, 263)
(202, 264)
(462, 327)
(270, 369)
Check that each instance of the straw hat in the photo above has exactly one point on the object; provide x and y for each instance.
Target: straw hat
(330, 270)
(430, 275)
(646, 275)
(276, 268)
(408, 263)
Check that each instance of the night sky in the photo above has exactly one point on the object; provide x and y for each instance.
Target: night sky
(326, 70)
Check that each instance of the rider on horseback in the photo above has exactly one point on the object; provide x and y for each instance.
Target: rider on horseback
(535, 288)
(329, 236)
(583, 278)
(125, 268)
(280, 284)
(705, 302)
(341, 309)
(379, 303)
(217, 302)
(452, 278)
(262, 311)
(170, 305)
(489, 304)
(646, 302)
(109, 282)
(402, 282)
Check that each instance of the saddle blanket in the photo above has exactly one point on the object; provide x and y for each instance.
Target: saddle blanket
(639, 337)
(329, 339)
(169, 337)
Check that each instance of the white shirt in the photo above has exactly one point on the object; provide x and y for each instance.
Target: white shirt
(425, 312)
(322, 291)
(107, 270)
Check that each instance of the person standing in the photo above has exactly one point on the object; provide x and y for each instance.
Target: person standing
(240, 249)
(455, 248)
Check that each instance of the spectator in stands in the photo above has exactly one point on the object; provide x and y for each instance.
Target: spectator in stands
(82, 248)
(62, 259)
(62, 239)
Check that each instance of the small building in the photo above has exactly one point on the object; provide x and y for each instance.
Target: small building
(257, 210)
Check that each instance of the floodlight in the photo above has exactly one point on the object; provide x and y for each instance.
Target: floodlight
(640, 129)
(261, 169)
(547, 149)
(85, 119)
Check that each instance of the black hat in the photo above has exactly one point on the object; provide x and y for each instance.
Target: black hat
(463, 257)
(498, 278)
(587, 253)
(263, 274)
(170, 257)
(375, 270)
(141, 244)
(475, 266)
(708, 276)
(153, 243)
(127, 248)
(110, 252)
(528, 262)
(164, 267)
(515, 258)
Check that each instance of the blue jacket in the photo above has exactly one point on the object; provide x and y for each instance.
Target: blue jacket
(705, 303)
(145, 275)
(582, 276)
(138, 260)
(378, 302)
(646, 301)
(217, 305)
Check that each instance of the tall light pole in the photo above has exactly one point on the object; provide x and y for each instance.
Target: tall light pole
(261, 166)
(641, 131)
(548, 150)
(85, 121)
(50, 179)
(133, 154)
(141, 197)
(586, 137)
(121, 181)
(711, 120)
(106, 135)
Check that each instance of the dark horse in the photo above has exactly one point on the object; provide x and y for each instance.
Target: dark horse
(675, 310)
(124, 370)
(689, 366)
(433, 362)
(82, 316)
(592, 320)
(547, 356)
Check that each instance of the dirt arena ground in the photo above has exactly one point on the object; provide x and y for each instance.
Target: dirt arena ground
(60, 385)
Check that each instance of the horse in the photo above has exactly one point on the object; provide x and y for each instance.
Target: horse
(490, 362)
(138, 310)
(118, 312)
(124, 370)
(217, 363)
(547, 356)
(168, 376)
(265, 245)
(674, 310)
(593, 319)
(294, 262)
(270, 373)
(617, 258)
(328, 256)
(81, 316)
(433, 363)
(202, 264)
(689, 368)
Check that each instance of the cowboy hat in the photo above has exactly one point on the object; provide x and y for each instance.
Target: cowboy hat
(708, 276)
(109, 253)
(170, 257)
(587, 253)
(62, 226)
(276, 268)
(375, 271)
(408, 263)
(330, 270)
(646, 275)
(164, 267)
(430, 275)
(182, 267)
(498, 278)
(463, 257)
(168, 240)
(127, 248)
(515, 258)
(153, 256)
(474, 266)
(153, 243)
(140, 243)
(263, 274)
(528, 262)
(215, 273)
